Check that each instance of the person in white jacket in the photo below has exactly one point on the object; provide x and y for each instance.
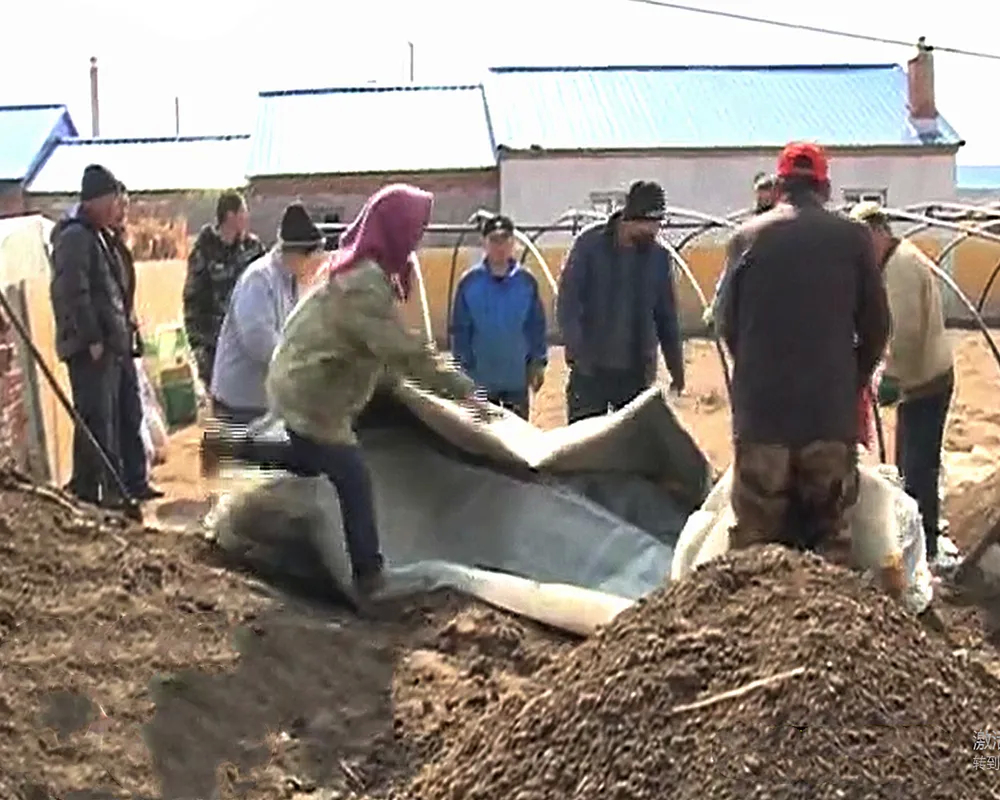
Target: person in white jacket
(919, 366)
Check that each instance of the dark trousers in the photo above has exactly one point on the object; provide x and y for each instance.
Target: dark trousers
(919, 437)
(515, 401)
(135, 468)
(345, 467)
(602, 390)
(96, 389)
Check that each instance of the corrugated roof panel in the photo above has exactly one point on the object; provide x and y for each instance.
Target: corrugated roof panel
(187, 163)
(26, 133)
(611, 108)
(978, 177)
(371, 129)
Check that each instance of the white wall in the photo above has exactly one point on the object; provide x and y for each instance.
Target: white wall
(536, 190)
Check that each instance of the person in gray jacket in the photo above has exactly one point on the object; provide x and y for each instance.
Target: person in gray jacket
(616, 302)
(93, 333)
(261, 301)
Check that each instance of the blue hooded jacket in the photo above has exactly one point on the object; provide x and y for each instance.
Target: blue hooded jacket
(498, 327)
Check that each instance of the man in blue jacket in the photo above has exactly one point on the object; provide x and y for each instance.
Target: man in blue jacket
(616, 301)
(498, 323)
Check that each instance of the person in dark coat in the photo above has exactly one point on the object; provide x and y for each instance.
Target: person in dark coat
(93, 333)
(616, 302)
(135, 465)
(806, 319)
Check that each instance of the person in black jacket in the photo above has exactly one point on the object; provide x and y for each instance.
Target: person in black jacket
(616, 302)
(93, 335)
(806, 319)
(135, 466)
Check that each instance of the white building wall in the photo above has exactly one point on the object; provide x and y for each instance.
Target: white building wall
(537, 189)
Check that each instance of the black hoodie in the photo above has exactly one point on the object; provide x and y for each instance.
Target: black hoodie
(87, 299)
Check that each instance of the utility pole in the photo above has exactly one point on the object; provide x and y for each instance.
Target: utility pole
(410, 45)
(177, 115)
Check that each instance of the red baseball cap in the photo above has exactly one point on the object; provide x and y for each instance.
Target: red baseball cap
(805, 159)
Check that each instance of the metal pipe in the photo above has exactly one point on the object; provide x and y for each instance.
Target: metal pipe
(986, 289)
(686, 270)
(530, 245)
(425, 305)
(335, 229)
(132, 508)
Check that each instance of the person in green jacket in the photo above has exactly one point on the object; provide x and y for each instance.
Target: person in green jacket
(342, 337)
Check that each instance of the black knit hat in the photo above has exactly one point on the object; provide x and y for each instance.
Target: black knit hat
(645, 200)
(498, 224)
(98, 182)
(298, 230)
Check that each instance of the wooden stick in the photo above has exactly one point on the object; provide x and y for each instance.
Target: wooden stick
(734, 693)
(989, 538)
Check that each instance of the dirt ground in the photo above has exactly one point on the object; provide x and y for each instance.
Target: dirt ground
(133, 664)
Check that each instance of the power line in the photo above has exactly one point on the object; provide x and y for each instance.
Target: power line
(810, 28)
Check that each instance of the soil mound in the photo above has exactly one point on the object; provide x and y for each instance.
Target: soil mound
(132, 666)
(855, 700)
(973, 510)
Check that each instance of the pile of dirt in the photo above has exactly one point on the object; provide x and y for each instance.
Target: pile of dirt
(973, 510)
(856, 700)
(132, 665)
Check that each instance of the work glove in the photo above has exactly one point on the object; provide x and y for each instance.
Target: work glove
(536, 375)
(888, 391)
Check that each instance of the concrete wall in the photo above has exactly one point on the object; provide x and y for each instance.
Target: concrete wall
(709, 182)
(11, 199)
(456, 195)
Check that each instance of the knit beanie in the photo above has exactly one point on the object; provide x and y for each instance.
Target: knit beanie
(645, 200)
(98, 182)
(298, 230)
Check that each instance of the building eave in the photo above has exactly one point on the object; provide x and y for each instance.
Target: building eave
(689, 152)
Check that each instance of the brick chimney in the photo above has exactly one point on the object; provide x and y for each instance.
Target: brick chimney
(920, 83)
(95, 107)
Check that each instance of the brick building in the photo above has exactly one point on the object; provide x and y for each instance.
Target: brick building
(332, 148)
(28, 134)
(28, 417)
(170, 178)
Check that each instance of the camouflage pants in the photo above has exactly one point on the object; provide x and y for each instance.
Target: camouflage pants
(796, 497)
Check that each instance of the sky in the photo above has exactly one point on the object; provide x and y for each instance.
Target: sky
(215, 55)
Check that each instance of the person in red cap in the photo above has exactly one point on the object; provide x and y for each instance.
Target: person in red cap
(805, 317)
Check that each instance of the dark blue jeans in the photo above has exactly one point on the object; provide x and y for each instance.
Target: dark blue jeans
(919, 437)
(345, 467)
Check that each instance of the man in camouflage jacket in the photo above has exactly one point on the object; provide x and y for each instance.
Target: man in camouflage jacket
(221, 253)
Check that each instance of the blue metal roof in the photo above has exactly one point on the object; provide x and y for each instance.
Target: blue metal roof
(148, 165)
(620, 108)
(371, 129)
(978, 178)
(27, 136)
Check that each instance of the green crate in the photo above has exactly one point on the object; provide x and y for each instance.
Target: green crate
(180, 403)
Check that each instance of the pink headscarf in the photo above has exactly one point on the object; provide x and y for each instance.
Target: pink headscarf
(386, 231)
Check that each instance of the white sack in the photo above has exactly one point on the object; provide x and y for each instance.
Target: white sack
(883, 522)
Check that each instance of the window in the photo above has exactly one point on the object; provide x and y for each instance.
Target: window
(606, 202)
(852, 196)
